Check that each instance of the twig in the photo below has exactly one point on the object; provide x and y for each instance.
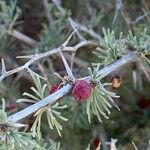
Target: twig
(48, 15)
(78, 62)
(60, 8)
(126, 16)
(75, 24)
(68, 69)
(148, 147)
(124, 60)
(66, 89)
(74, 28)
(44, 73)
(18, 35)
(36, 57)
(102, 136)
(33, 108)
(127, 19)
(32, 42)
(139, 18)
(112, 144)
(117, 8)
(85, 29)
(134, 146)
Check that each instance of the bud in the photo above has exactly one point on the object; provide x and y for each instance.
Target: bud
(81, 90)
(54, 88)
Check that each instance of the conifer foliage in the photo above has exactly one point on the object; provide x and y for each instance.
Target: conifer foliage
(65, 66)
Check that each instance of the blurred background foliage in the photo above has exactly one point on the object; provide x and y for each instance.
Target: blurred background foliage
(132, 122)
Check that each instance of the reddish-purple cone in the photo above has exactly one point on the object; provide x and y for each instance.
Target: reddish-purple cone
(144, 103)
(81, 90)
(54, 88)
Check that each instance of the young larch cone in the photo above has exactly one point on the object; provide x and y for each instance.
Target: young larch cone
(54, 88)
(81, 90)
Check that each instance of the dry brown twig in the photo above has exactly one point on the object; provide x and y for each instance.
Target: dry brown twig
(18, 35)
(36, 57)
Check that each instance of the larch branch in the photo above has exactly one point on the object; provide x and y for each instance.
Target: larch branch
(131, 57)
